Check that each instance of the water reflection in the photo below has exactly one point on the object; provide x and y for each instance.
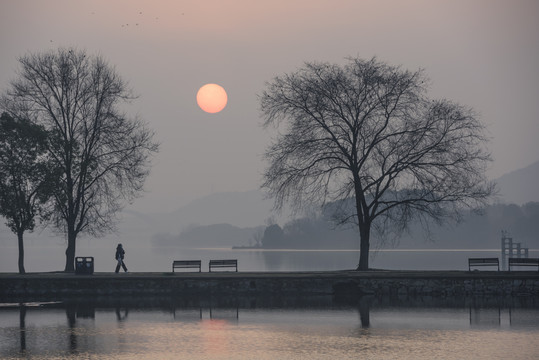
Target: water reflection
(485, 317)
(22, 327)
(223, 327)
(364, 311)
(121, 316)
(187, 314)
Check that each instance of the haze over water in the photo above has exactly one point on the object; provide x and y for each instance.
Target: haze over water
(159, 259)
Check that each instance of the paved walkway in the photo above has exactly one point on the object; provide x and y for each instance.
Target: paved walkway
(373, 274)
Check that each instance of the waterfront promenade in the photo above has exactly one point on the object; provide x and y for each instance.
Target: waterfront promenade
(339, 283)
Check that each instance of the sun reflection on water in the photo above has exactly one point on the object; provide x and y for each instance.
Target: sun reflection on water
(334, 333)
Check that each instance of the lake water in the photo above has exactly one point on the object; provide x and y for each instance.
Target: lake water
(159, 259)
(279, 328)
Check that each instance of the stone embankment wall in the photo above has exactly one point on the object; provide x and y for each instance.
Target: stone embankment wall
(441, 286)
(329, 283)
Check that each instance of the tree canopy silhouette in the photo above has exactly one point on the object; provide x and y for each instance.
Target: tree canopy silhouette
(26, 176)
(103, 153)
(367, 131)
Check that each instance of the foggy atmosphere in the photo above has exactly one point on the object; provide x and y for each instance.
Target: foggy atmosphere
(296, 137)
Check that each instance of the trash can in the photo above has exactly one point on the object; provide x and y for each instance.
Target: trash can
(84, 265)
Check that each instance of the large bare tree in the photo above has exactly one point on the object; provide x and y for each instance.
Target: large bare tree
(367, 131)
(103, 154)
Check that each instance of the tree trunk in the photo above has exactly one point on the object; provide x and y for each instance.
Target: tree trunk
(364, 223)
(21, 252)
(364, 245)
(70, 251)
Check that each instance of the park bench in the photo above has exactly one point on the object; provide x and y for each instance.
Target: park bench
(483, 262)
(523, 262)
(223, 263)
(184, 264)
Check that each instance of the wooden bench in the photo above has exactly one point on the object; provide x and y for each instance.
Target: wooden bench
(524, 262)
(223, 263)
(483, 262)
(185, 264)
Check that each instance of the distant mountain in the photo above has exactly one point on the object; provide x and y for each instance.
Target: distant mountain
(477, 231)
(247, 210)
(481, 231)
(520, 186)
(252, 208)
(318, 232)
(242, 209)
(216, 235)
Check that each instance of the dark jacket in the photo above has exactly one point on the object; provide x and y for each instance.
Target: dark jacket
(120, 252)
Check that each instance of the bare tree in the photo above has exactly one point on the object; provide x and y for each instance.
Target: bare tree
(103, 154)
(367, 131)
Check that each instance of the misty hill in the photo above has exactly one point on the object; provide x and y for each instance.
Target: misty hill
(238, 208)
(247, 210)
(520, 186)
(242, 209)
(252, 208)
(318, 232)
(481, 231)
(475, 232)
(215, 235)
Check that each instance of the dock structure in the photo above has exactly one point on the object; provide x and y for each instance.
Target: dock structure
(511, 249)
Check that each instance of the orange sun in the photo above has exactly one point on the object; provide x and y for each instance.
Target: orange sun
(212, 98)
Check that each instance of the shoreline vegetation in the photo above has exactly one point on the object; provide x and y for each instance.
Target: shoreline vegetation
(319, 232)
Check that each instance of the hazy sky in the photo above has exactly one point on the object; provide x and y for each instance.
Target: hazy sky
(484, 54)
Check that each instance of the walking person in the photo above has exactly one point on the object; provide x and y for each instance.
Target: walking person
(120, 253)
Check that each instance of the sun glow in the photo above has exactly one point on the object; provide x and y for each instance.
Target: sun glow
(212, 98)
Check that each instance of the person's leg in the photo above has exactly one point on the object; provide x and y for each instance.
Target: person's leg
(123, 265)
(117, 267)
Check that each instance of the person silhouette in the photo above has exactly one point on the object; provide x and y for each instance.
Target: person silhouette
(120, 253)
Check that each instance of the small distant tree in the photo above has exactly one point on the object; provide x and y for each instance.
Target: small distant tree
(367, 131)
(273, 237)
(256, 238)
(26, 176)
(103, 154)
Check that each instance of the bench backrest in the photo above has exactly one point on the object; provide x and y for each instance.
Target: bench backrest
(223, 262)
(524, 261)
(483, 261)
(187, 262)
